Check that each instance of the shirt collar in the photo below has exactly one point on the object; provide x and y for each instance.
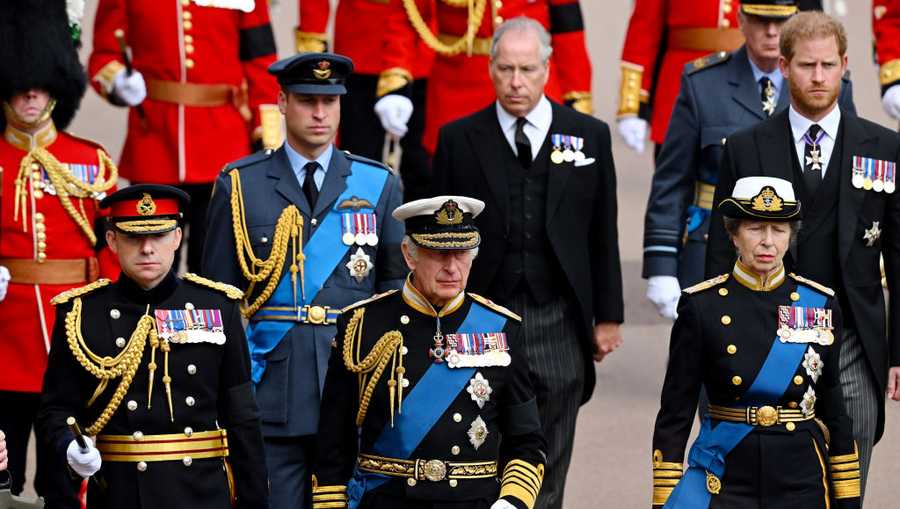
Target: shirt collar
(417, 301)
(298, 161)
(540, 116)
(800, 124)
(747, 277)
(776, 76)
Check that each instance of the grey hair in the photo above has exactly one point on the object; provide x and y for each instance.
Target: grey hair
(524, 24)
(414, 249)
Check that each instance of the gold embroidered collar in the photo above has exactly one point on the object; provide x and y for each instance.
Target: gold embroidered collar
(747, 277)
(417, 301)
(28, 141)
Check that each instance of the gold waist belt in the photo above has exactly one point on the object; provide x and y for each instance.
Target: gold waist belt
(52, 272)
(764, 416)
(430, 470)
(175, 447)
(704, 195)
(480, 45)
(194, 94)
(705, 39)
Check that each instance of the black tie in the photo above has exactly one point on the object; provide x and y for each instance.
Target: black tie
(523, 146)
(309, 183)
(812, 159)
(767, 95)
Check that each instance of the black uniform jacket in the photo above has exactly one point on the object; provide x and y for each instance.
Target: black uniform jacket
(510, 414)
(580, 218)
(720, 340)
(210, 386)
(765, 150)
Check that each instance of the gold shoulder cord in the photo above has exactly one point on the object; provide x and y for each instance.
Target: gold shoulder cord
(476, 13)
(288, 228)
(387, 348)
(67, 186)
(125, 364)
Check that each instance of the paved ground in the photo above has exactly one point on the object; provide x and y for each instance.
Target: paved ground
(611, 465)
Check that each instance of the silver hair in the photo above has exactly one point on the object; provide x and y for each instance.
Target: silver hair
(524, 24)
(414, 249)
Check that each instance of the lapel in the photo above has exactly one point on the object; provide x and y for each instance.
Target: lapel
(559, 173)
(487, 142)
(784, 97)
(335, 182)
(746, 91)
(856, 141)
(287, 184)
(776, 150)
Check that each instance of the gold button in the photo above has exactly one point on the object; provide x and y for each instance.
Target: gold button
(457, 417)
(498, 20)
(454, 450)
(731, 349)
(189, 63)
(790, 426)
(186, 15)
(120, 342)
(185, 3)
(38, 194)
(189, 49)
(115, 314)
(188, 431)
(39, 217)
(404, 319)
(41, 257)
(411, 481)
(41, 236)
(498, 4)
(798, 380)
(189, 401)
(36, 175)
(189, 39)
(137, 435)
(795, 296)
(736, 380)
(726, 23)
(192, 369)
(132, 405)
(793, 404)
(453, 483)
(726, 7)
(187, 461)
(35, 166)
(188, 25)
(42, 246)
(726, 320)
(40, 227)
(142, 466)
(723, 291)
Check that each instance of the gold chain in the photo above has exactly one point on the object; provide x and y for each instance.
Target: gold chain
(125, 364)
(464, 43)
(387, 347)
(289, 227)
(65, 184)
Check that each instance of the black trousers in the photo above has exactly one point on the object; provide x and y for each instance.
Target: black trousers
(52, 481)
(361, 133)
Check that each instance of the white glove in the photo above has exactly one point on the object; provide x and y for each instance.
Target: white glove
(4, 282)
(664, 292)
(84, 464)
(2, 451)
(634, 131)
(891, 102)
(394, 111)
(131, 90)
(502, 504)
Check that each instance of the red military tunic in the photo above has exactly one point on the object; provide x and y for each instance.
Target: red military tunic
(42, 242)
(459, 83)
(886, 28)
(662, 36)
(208, 89)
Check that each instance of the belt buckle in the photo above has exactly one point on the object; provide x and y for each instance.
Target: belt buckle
(316, 315)
(434, 470)
(766, 416)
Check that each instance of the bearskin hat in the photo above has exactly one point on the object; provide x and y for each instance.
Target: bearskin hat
(37, 51)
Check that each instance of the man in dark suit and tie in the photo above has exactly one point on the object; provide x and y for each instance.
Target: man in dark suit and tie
(547, 174)
(845, 170)
(305, 231)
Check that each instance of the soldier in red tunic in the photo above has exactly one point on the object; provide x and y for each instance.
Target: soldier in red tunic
(886, 27)
(388, 84)
(198, 86)
(50, 240)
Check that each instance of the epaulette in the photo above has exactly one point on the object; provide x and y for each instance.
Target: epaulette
(709, 283)
(809, 282)
(707, 61)
(366, 160)
(253, 158)
(71, 293)
(232, 292)
(496, 307)
(370, 299)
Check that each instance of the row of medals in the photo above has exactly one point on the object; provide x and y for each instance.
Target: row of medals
(868, 184)
(360, 239)
(567, 155)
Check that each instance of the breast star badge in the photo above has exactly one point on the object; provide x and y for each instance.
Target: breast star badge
(359, 265)
(872, 234)
(478, 432)
(808, 404)
(480, 390)
(813, 364)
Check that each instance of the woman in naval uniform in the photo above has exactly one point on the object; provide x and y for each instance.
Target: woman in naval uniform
(764, 343)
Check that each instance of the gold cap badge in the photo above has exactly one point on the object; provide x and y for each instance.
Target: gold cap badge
(449, 213)
(146, 207)
(767, 201)
(324, 70)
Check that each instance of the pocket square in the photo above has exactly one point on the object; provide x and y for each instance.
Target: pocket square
(585, 162)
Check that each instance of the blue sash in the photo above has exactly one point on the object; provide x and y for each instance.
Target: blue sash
(713, 445)
(426, 403)
(324, 251)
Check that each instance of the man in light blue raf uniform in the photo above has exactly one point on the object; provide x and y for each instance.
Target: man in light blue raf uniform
(720, 94)
(305, 230)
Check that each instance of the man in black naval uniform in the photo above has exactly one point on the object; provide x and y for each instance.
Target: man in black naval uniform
(434, 382)
(156, 369)
(720, 94)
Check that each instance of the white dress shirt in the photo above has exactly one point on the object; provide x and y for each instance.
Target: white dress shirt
(829, 124)
(298, 162)
(536, 127)
(776, 77)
